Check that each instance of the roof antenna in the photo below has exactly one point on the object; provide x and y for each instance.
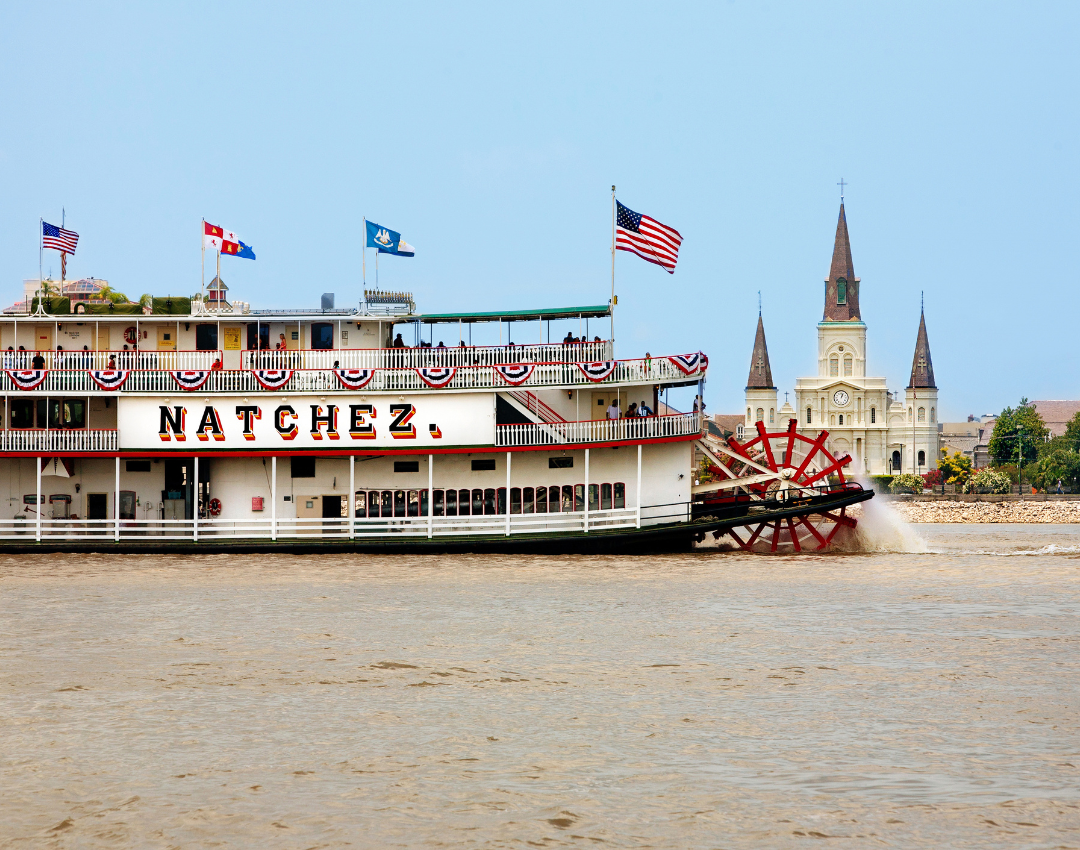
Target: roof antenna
(842, 184)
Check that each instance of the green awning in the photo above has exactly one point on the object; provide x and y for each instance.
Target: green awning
(595, 312)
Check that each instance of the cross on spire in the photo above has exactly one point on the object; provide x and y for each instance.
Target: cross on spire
(759, 302)
(842, 184)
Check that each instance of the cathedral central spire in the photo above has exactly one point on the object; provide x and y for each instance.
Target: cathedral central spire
(842, 287)
(760, 370)
(922, 367)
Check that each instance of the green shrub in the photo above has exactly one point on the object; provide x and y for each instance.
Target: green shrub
(880, 483)
(172, 305)
(988, 481)
(907, 483)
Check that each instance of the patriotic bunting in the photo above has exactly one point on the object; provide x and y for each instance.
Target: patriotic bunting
(190, 381)
(273, 379)
(27, 379)
(596, 372)
(110, 379)
(437, 377)
(354, 379)
(515, 373)
(688, 363)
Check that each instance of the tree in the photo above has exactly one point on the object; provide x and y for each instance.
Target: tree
(955, 467)
(1072, 432)
(1060, 464)
(1017, 435)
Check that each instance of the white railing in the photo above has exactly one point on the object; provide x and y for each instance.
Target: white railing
(415, 358)
(257, 528)
(653, 370)
(87, 360)
(59, 440)
(599, 431)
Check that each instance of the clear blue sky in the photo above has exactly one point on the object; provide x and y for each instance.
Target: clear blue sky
(490, 134)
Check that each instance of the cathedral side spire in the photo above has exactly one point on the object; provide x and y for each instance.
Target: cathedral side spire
(842, 287)
(922, 367)
(760, 370)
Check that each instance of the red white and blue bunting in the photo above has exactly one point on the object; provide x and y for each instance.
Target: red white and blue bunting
(597, 372)
(437, 377)
(515, 373)
(27, 379)
(190, 381)
(273, 379)
(110, 379)
(354, 379)
(689, 363)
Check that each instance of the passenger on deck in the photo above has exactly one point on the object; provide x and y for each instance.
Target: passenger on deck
(38, 362)
(216, 367)
(632, 411)
(442, 344)
(399, 342)
(643, 410)
(569, 338)
(613, 411)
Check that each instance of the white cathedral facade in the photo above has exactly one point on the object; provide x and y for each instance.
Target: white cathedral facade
(883, 434)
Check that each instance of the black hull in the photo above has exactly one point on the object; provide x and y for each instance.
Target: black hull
(653, 539)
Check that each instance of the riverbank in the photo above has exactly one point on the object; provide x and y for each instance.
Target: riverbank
(989, 509)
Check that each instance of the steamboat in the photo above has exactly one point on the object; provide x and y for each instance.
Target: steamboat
(193, 425)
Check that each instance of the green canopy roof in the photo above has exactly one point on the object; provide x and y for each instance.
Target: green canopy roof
(594, 312)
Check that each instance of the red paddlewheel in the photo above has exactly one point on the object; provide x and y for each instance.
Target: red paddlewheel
(783, 465)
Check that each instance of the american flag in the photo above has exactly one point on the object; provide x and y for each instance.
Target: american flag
(647, 238)
(58, 238)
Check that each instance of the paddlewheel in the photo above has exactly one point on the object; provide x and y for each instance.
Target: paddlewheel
(779, 471)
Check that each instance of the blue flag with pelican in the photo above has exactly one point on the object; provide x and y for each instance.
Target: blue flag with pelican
(387, 241)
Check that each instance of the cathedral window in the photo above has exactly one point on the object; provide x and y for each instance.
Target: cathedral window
(772, 416)
(873, 415)
(910, 417)
(834, 366)
(847, 366)
(809, 416)
(832, 419)
(933, 415)
(922, 414)
(922, 458)
(760, 415)
(841, 418)
(841, 291)
(748, 414)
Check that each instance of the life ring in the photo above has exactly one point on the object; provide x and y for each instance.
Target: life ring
(131, 335)
(214, 507)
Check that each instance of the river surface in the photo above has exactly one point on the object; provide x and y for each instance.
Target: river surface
(886, 699)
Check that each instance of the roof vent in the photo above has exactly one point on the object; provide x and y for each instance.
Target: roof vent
(328, 301)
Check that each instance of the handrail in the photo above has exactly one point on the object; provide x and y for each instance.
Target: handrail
(597, 431)
(398, 379)
(59, 440)
(121, 359)
(533, 404)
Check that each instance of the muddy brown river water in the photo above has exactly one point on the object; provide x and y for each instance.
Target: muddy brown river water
(883, 699)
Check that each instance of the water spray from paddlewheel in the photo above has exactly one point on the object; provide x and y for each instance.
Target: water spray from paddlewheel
(786, 484)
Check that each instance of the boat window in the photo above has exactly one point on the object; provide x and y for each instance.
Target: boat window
(414, 503)
(594, 497)
(483, 464)
(206, 337)
(500, 501)
(579, 497)
(541, 500)
(360, 504)
(439, 508)
(258, 336)
(605, 497)
(567, 499)
(137, 466)
(515, 500)
(451, 502)
(554, 500)
(489, 501)
(478, 502)
(406, 466)
(527, 500)
(67, 413)
(620, 495)
(322, 335)
(399, 503)
(22, 413)
(464, 502)
(387, 503)
(560, 463)
(302, 467)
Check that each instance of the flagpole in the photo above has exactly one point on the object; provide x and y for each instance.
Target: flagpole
(202, 265)
(364, 250)
(63, 254)
(612, 308)
(41, 250)
(219, 277)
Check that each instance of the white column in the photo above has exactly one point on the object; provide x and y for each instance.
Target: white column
(586, 491)
(116, 502)
(352, 486)
(507, 492)
(638, 499)
(273, 497)
(195, 511)
(37, 507)
(430, 494)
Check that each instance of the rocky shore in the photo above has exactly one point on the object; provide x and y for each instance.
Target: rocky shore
(998, 511)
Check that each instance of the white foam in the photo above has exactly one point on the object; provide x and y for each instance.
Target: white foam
(881, 529)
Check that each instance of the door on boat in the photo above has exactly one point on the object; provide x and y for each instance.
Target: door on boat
(308, 508)
(600, 402)
(166, 338)
(97, 505)
(335, 511)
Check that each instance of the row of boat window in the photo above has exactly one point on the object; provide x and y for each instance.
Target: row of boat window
(490, 501)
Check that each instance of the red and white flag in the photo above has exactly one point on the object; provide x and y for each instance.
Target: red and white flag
(218, 239)
(648, 238)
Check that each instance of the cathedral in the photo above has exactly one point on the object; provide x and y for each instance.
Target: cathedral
(884, 434)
